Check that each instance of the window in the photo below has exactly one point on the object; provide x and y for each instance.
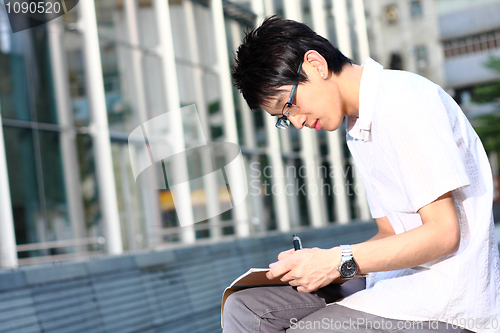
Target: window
(391, 14)
(396, 61)
(472, 44)
(416, 9)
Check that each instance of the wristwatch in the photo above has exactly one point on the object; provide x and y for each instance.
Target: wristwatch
(348, 267)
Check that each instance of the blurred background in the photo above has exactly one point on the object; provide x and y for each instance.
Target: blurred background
(72, 90)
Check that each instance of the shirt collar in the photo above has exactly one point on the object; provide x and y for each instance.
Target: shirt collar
(360, 128)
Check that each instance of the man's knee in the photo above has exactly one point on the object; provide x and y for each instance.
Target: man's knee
(238, 304)
(255, 300)
(239, 314)
(234, 301)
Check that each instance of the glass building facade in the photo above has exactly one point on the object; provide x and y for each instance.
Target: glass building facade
(72, 90)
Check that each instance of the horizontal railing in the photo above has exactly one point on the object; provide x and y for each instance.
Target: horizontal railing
(81, 251)
(60, 243)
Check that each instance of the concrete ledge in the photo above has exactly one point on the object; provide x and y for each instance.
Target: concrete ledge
(109, 264)
(149, 259)
(67, 271)
(12, 280)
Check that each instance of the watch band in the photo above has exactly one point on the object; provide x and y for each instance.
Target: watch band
(346, 252)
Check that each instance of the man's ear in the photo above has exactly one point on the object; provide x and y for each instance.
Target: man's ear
(317, 61)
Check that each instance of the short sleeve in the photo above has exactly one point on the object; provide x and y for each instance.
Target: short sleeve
(427, 146)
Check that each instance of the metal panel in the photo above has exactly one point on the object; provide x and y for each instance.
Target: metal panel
(17, 312)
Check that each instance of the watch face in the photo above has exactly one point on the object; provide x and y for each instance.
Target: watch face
(348, 269)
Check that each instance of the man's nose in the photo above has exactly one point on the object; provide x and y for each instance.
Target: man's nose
(298, 121)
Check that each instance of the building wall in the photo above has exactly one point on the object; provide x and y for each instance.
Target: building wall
(393, 31)
(470, 34)
(448, 6)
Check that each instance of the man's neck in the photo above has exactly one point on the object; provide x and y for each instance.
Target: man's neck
(349, 81)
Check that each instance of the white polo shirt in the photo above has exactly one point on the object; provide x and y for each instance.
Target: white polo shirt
(411, 144)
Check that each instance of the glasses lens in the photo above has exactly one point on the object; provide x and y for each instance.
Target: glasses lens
(282, 123)
(290, 110)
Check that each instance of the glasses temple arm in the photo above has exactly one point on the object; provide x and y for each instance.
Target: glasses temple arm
(294, 88)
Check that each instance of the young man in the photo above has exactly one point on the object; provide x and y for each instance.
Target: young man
(434, 263)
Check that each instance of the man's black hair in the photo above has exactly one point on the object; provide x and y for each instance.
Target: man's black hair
(270, 56)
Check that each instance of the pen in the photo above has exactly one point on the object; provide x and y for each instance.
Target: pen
(297, 244)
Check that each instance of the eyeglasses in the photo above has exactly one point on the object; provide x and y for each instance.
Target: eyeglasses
(289, 109)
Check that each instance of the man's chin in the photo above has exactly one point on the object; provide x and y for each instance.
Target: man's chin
(332, 128)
